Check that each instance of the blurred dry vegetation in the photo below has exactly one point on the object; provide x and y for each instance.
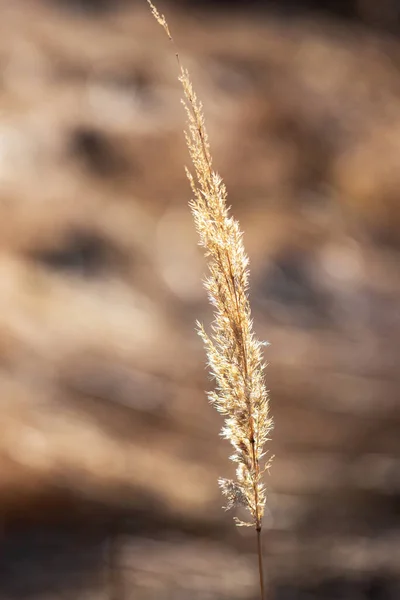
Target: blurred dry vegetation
(109, 452)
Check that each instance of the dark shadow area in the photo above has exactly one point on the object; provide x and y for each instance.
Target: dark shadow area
(81, 252)
(382, 15)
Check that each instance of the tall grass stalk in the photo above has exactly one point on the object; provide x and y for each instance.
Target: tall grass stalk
(234, 354)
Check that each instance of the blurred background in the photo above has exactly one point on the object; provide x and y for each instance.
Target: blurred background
(109, 451)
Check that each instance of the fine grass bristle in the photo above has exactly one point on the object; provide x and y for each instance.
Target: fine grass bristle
(234, 354)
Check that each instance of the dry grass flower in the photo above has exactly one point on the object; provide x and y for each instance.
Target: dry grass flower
(234, 354)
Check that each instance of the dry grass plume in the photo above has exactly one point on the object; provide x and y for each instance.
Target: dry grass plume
(234, 354)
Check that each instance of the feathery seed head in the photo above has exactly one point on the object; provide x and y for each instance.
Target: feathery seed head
(234, 354)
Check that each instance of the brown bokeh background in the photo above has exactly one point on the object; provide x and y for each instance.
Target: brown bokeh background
(109, 451)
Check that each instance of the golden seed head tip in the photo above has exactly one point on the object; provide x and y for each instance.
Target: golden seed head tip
(159, 18)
